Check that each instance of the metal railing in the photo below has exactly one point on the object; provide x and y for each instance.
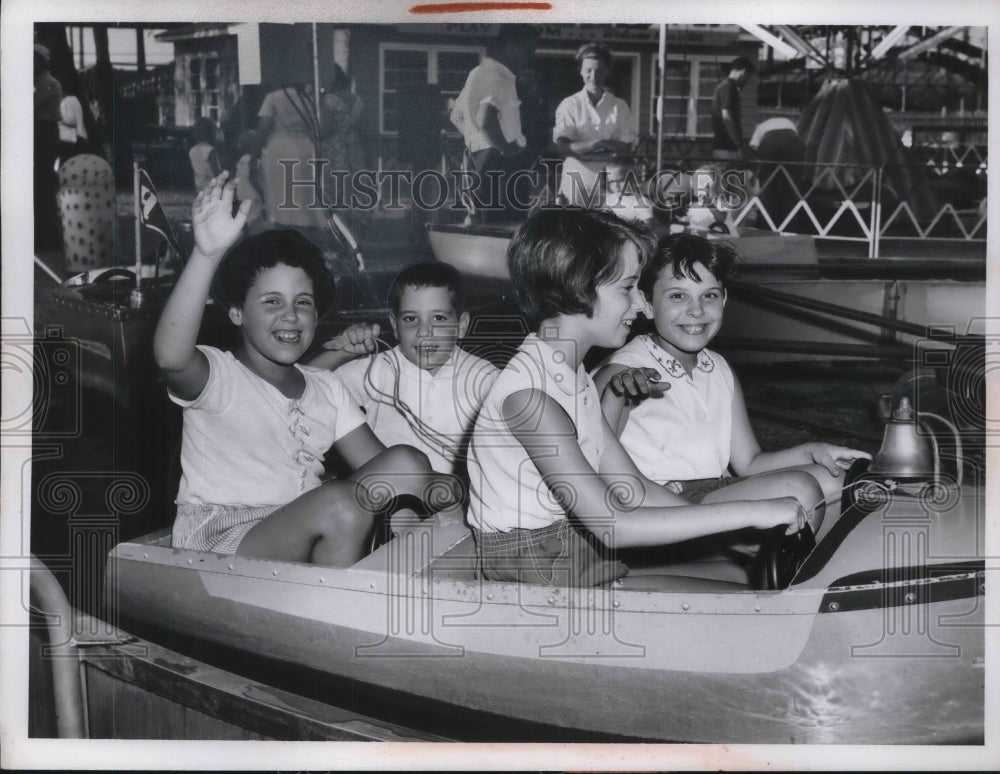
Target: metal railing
(940, 199)
(939, 195)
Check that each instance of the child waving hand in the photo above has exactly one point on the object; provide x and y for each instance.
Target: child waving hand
(257, 424)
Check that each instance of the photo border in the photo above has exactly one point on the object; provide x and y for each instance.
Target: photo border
(18, 751)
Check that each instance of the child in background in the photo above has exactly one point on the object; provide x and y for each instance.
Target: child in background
(426, 391)
(686, 439)
(248, 178)
(545, 468)
(205, 162)
(624, 194)
(257, 424)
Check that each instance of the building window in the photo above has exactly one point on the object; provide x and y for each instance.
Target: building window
(687, 96)
(400, 64)
(203, 81)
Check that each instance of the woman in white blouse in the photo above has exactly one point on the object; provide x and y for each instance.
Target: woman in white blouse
(592, 126)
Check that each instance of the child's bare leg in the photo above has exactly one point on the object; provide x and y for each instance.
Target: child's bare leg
(715, 568)
(327, 525)
(332, 523)
(402, 471)
(832, 487)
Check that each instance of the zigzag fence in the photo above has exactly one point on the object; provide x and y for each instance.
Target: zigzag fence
(939, 197)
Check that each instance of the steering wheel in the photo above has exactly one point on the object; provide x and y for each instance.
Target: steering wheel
(381, 533)
(781, 556)
(114, 271)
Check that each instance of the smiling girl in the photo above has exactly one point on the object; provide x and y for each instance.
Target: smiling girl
(257, 424)
(553, 493)
(688, 438)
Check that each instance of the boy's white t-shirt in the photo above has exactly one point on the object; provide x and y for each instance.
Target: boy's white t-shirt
(506, 489)
(404, 404)
(244, 443)
(686, 433)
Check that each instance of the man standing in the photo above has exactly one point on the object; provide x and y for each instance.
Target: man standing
(729, 143)
(487, 112)
(729, 146)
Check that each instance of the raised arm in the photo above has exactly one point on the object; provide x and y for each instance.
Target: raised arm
(216, 229)
(618, 506)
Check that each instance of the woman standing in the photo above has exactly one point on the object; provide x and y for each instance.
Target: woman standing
(287, 119)
(592, 126)
(340, 111)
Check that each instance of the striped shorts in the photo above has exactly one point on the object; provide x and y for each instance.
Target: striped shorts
(555, 555)
(216, 528)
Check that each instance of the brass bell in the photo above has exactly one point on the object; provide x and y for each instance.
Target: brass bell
(904, 453)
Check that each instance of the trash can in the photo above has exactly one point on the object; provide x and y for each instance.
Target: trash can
(87, 207)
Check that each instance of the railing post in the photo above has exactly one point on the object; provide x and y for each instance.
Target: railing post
(60, 622)
(875, 224)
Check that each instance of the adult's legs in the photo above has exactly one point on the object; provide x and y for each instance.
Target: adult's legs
(504, 190)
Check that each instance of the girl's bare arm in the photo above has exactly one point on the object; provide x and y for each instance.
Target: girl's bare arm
(356, 341)
(184, 368)
(747, 458)
(606, 506)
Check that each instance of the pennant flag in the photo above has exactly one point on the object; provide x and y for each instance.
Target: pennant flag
(151, 214)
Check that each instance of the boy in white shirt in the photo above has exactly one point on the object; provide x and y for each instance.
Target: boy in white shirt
(427, 389)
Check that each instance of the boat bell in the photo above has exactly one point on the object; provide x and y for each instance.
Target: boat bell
(904, 453)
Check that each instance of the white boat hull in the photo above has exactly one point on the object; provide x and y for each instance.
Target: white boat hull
(745, 666)
(482, 251)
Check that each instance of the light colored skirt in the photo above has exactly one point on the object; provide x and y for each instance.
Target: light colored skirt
(305, 205)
